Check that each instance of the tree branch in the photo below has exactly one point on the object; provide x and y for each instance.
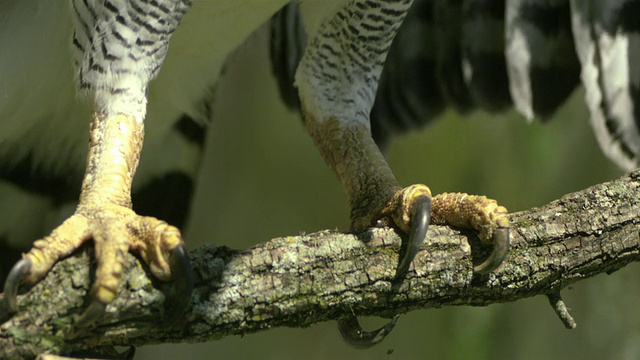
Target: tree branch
(296, 281)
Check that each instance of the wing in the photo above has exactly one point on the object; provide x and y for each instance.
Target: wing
(488, 55)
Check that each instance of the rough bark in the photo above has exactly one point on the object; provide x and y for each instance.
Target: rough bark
(296, 281)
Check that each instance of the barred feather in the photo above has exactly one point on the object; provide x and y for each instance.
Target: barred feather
(541, 59)
(448, 21)
(484, 54)
(483, 61)
(608, 45)
(408, 95)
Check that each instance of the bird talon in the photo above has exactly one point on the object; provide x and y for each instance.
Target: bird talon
(353, 334)
(501, 244)
(479, 213)
(90, 315)
(420, 218)
(178, 291)
(18, 273)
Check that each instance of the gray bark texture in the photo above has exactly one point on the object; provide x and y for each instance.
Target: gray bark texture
(296, 281)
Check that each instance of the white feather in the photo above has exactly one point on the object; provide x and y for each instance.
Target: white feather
(606, 78)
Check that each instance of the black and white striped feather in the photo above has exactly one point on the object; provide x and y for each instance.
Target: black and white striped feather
(541, 59)
(608, 44)
(408, 81)
(479, 54)
(483, 63)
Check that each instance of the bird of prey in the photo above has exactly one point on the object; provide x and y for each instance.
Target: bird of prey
(118, 47)
(144, 70)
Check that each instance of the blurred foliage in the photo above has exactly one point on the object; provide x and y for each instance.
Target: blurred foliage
(263, 178)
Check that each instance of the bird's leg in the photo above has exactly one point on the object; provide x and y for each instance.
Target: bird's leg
(104, 214)
(118, 48)
(374, 195)
(337, 80)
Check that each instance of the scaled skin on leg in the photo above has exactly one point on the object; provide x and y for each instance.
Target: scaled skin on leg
(375, 196)
(337, 81)
(118, 48)
(104, 214)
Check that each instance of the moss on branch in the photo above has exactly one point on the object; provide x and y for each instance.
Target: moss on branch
(296, 281)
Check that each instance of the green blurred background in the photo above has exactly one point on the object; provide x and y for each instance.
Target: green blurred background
(263, 178)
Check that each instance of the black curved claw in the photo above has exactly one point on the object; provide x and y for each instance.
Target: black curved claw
(90, 315)
(353, 334)
(16, 275)
(500, 250)
(420, 218)
(178, 291)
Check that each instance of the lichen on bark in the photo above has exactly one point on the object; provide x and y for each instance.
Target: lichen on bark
(296, 281)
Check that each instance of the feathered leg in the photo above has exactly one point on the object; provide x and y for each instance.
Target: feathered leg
(119, 47)
(337, 80)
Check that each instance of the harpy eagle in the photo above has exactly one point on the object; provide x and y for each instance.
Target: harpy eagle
(446, 53)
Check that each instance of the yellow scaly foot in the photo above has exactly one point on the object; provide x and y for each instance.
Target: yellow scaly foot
(104, 215)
